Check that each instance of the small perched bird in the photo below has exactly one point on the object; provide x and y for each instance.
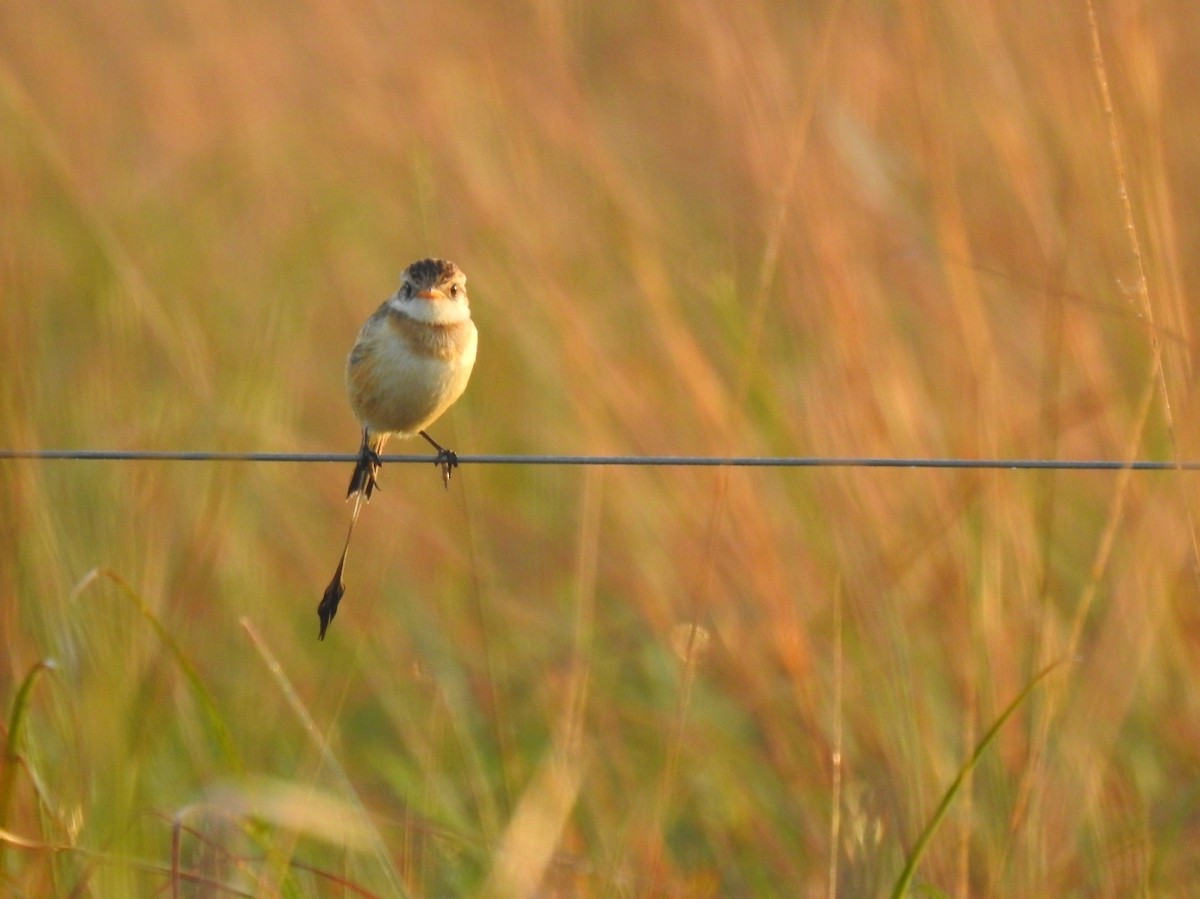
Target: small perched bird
(411, 361)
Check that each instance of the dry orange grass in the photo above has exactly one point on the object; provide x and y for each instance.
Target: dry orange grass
(758, 228)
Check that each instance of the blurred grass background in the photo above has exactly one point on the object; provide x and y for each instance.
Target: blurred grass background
(835, 228)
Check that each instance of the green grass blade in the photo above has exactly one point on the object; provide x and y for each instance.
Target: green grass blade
(918, 850)
(218, 730)
(16, 718)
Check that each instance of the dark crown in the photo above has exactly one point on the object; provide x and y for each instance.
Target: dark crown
(426, 273)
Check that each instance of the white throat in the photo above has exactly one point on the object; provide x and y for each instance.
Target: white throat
(433, 312)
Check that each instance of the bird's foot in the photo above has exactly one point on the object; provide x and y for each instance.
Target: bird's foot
(447, 460)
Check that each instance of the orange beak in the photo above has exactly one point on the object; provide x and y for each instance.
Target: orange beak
(430, 295)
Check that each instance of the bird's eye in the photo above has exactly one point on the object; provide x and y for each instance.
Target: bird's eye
(453, 290)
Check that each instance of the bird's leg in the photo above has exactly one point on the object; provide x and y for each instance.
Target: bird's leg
(446, 458)
(367, 467)
(328, 606)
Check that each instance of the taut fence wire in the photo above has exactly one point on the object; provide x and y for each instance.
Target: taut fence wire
(105, 455)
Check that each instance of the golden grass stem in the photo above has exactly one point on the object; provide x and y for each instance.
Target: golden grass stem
(835, 780)
(527, 846)
(1143, 284)
(328, 757)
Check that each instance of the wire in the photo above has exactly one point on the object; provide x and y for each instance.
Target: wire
(615, 461)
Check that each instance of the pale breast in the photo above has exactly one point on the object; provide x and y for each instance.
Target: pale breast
(403, 374)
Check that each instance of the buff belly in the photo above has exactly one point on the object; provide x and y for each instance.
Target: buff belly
(395, 390)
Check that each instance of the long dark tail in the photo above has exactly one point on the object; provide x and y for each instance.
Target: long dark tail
(362, 485)
(328, 605)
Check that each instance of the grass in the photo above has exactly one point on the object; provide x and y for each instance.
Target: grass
(841, 229)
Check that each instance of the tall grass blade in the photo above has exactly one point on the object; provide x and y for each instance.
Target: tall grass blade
(16, 718)
(918, 850)
(219, 731)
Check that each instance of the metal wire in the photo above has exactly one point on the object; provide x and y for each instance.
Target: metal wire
(615, 461)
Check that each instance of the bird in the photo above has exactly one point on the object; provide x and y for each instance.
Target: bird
(410, 363)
